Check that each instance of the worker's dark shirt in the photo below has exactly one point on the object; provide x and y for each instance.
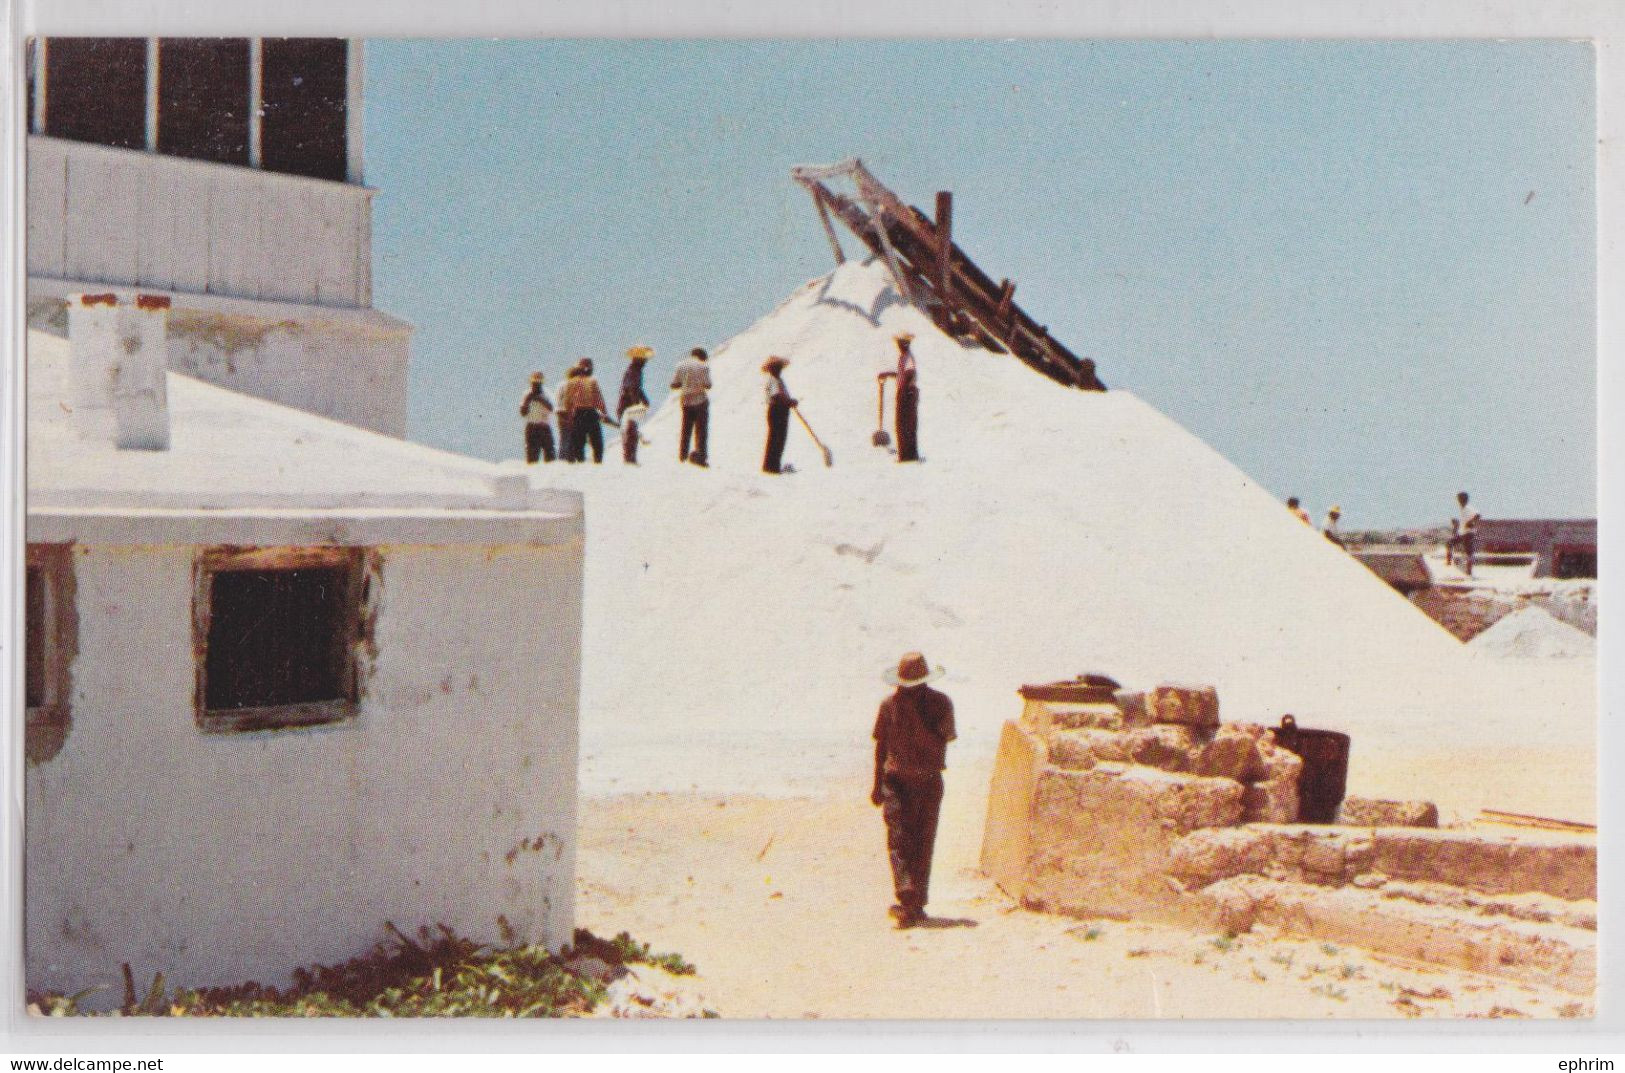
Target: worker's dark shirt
(913, 730)
(631, 389)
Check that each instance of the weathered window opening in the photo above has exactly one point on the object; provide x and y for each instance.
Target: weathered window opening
(203, 98)
(96, 90)
(304, 86)
(280, 635)
(49, 648)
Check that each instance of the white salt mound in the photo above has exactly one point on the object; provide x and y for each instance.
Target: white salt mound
(1533, 633)
(738, 623)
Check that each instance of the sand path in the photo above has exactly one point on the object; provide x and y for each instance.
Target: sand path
(781, 903)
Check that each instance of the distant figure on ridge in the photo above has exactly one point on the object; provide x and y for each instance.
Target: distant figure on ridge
(633, 399)
(912, 732)
(537, 411)
(908, 400)
(1333, 517)
(584, 401)
(1462, 545)
(692, 380)
(567, 422)
(779, 405)
(1298, 512)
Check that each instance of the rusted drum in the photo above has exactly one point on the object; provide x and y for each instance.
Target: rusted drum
(1325, 774)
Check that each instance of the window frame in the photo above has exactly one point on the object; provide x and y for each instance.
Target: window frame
(46, 724)
(355, 640)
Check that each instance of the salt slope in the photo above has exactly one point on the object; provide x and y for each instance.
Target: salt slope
(1533, 633)
(739, 621)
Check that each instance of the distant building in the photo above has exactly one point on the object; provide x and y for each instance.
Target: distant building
(286, 679)
(226, 173)
(1564, 548)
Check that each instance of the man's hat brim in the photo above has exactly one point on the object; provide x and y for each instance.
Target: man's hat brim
(892, 678)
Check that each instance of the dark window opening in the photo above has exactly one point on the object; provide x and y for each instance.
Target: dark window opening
(1576, 564)
(304, 83)
(96, 90)
(31, 59)
(279, 632)
(203, 98)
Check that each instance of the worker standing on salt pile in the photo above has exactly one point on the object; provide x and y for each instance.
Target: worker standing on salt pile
(692, 380)
(590, 407)
(907, 413)
(567, 420)
(1464, 542)
(632, 395)
(779, 405)
(1298, 512)
(538, 414)
(912, 732)
(1333, 517)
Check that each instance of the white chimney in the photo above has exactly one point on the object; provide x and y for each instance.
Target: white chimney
(119, 369)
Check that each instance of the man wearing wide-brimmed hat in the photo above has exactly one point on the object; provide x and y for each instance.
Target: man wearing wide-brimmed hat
(633, 404)
(912, 733)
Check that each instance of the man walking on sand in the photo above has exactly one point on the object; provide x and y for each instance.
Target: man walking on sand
(692, 380)
(912, 733)
(1464, 542)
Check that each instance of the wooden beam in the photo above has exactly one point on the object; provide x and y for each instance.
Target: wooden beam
(829, 228)
(945, 255)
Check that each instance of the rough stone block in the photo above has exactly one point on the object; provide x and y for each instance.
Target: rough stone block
(1209, 855)
(1082, 749)
(1232, 753)
(1086, 716)
(1167, 747)
(1375, 812)
(1271, 801)
(1131, 703)
(1195, 706)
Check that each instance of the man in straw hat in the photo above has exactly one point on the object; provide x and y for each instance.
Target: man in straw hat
(538, 414)
(907, 413)
(692, 382)
(1334, 518)
(633, 404)
(912, 733)
(779, 405)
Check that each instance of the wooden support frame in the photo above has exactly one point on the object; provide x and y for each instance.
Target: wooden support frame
(934, 274)
(51, 627)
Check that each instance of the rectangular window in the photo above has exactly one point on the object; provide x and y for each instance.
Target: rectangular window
(280, 632)
(96, 90)
(203, 98)
(48, 648)
(304, 84)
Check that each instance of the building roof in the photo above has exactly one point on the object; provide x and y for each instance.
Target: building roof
(234, 455)
(1533, 531)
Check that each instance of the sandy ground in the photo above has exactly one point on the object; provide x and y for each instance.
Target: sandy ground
(781, 902)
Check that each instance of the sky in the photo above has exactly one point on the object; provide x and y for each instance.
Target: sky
(1362, 271)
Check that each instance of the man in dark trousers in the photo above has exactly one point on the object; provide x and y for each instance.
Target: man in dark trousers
(632, 395)
(908, 400)
(584, 402)
(912, 733)
(779, 405)
(538, 414)
(692, 382)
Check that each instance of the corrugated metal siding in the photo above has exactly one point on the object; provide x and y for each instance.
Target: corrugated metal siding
(139, 219)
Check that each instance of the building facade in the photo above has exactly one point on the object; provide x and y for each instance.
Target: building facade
(228, 174)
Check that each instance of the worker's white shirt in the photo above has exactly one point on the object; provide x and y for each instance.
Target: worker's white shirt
(692, 377)
(537, 412)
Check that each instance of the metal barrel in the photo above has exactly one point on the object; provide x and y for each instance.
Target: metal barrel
(1325, 773)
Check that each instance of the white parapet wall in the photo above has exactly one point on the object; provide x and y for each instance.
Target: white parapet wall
(219, 858)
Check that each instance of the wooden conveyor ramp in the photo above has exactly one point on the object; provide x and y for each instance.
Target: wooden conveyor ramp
(935, 274)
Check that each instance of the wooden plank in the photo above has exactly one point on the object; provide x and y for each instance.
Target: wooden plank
(945, 257)
(829, 228)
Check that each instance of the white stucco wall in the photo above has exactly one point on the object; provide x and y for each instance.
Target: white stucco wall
(221, 858)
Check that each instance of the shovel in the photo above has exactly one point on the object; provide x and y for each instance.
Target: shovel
(881, 438)
(829, 460)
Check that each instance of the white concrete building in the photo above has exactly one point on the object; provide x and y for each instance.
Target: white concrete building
(287, 680)
(227, 174)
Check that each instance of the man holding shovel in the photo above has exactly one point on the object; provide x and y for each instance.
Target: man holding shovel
(912, 733)
(779, 405)
(908, 401)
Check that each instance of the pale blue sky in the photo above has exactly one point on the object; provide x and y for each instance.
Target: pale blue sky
(1322, 258)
